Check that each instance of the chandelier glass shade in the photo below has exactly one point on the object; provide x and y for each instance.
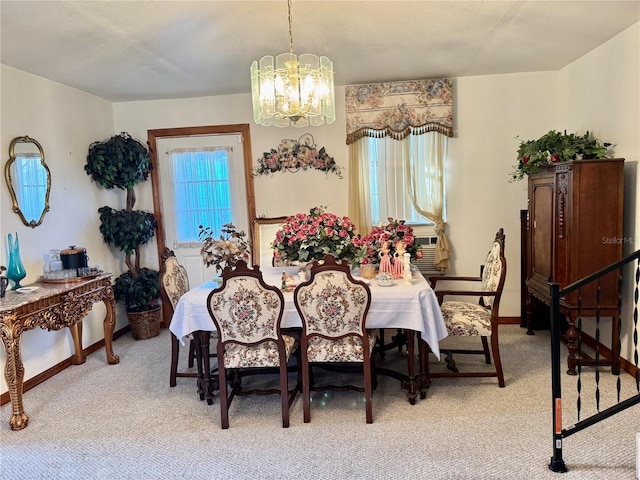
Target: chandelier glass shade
(293, 90)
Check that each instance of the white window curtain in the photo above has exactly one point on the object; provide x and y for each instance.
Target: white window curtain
(360, 185)
(402, 111)
(201, 180)
(425, 185)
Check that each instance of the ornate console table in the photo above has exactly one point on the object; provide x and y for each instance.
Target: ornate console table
(50, 307)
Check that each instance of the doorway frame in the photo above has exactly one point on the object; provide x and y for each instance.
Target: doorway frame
(153, 135)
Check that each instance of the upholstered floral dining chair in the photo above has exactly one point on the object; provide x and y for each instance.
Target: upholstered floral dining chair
(333, 308)
(247, 313)
(173, 284)
(479, 319)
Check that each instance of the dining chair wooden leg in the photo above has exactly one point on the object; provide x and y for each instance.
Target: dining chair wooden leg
(368, 391)
(485, 347)
(374, 372)
(284, 395)
(175, 351)
(306, 392)
(224, 398)
(495, 348)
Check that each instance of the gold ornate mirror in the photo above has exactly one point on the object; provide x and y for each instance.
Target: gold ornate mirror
(29, 180)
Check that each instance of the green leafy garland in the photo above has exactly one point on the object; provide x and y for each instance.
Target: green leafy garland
(555, 147)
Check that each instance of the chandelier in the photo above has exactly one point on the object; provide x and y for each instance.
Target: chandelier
(297, 91)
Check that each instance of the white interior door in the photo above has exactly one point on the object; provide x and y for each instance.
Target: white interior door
(190, 256)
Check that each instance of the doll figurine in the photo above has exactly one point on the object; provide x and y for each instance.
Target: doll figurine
(398, 259)
(385, 259)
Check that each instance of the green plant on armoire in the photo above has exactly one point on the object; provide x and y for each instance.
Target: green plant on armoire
(123, 162)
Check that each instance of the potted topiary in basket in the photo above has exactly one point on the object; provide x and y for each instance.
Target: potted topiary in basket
(123, 162)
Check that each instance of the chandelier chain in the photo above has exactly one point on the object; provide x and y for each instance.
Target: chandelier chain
(290, 28)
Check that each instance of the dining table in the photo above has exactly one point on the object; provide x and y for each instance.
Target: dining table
(411, 308)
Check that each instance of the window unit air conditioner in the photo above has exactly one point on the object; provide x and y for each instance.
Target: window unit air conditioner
(425, 264)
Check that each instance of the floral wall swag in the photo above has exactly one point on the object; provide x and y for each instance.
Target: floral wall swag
(293, 155)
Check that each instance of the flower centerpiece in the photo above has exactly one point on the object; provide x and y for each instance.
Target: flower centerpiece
(305, 237)
(555, 147)
(293, 155)
(226, 250)
(369, 246)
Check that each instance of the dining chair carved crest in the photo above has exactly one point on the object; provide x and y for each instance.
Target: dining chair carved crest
(173, 284)
(247, 313)
(333, 308)
(468, 319)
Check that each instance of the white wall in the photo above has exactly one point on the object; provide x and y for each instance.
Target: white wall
(65, 121)
(491, 111)
(599, 92)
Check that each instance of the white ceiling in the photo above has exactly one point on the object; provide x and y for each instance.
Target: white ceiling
(142, 50)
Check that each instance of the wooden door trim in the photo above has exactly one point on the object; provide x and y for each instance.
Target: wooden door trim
(153, 136)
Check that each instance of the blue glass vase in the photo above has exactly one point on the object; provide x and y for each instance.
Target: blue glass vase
(15, 270)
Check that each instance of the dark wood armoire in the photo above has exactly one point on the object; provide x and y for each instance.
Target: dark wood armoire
(574, 229)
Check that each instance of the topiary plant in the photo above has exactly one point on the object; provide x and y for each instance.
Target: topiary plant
(123, 162)
(137, 292)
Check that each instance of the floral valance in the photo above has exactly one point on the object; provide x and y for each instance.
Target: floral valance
(397, 109)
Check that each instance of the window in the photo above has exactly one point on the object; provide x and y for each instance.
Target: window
(390, 177)
(202, 196)
(390, 164)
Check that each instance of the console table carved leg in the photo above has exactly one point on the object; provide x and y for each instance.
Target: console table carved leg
(76, 335)
(14, 372)
(109, 324)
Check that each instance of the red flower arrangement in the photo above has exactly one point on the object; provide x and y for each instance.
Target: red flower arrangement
(368, 247)
(305, 237)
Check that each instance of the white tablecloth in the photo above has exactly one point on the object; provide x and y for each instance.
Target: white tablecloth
(414, 307)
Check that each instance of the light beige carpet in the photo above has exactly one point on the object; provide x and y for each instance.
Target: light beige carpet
(125, 422)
